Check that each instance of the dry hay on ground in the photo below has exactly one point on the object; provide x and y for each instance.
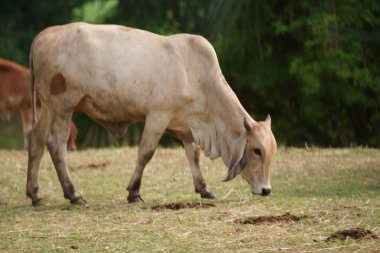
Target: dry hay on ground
(287, 217)
(355, 233)
(182, 205)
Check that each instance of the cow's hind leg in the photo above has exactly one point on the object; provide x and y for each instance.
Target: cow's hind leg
(36, 148)
(57, 145)
(155, 126)
(192, 153)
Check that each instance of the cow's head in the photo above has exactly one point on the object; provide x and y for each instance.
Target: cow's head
(253, 156)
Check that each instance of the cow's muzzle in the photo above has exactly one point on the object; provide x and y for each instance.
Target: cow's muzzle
(265, 191)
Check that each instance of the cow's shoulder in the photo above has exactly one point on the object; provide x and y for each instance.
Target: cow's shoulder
(196, 45)
(194, 41)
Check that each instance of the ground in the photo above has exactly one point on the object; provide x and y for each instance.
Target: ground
(315, 193)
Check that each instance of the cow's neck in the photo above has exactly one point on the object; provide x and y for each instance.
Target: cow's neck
(219, 135)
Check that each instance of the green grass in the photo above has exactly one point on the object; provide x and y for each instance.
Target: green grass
(11, 133)
(335, 188)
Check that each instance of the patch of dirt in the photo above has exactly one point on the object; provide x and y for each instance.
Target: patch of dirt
(182, 205)
(355, 233)
(286, 217)
(345, 208)
(92, 166)
(74, 247)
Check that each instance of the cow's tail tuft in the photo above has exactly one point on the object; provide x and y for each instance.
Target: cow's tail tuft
(33, 87)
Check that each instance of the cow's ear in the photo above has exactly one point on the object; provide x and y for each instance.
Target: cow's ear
(238, 160)
(268, 120)
(237, 169)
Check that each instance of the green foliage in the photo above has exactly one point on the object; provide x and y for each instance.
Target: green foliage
(95, 11)
(22, 20)
(313, 65)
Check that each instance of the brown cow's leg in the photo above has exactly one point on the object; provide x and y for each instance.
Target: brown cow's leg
(192, 153)
(37, 142)
(72, 137)
(155, 126)
(57, 145)
(26, 117)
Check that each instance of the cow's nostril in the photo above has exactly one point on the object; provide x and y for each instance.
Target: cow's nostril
(265, 191)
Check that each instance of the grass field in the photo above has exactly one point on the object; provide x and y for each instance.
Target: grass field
(329, 189)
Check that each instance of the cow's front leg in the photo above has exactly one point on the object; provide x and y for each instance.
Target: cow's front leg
(57, 145)
(155, 126)
(193, 153)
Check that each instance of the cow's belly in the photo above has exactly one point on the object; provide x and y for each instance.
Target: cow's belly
(110, 111)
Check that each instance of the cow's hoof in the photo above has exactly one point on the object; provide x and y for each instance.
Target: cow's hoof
(208, 195)
(135, 199)
(38, 202)
(79, 201)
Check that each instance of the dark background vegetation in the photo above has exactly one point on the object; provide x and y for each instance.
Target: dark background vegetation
(313, 65)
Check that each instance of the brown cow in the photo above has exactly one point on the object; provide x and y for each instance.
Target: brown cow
(15, 96)
(119, 75)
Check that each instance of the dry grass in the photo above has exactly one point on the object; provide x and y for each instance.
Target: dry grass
(333, 189)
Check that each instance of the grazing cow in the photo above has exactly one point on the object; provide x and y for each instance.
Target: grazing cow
(15, 96)
(119, 75)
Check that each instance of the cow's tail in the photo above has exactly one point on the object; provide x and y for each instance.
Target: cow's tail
(33, 87)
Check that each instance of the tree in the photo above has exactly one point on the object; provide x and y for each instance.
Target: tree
(312, 64)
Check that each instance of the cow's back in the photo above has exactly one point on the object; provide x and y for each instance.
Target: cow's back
(113, 71)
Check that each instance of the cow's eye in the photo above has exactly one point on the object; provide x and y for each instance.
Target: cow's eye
(257, 151)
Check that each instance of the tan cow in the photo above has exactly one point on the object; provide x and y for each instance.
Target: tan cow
(119, 75)
(15, 96)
